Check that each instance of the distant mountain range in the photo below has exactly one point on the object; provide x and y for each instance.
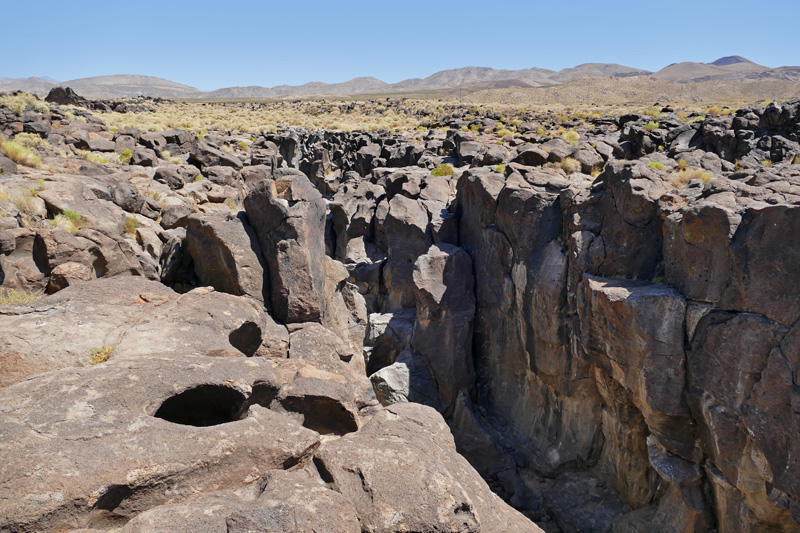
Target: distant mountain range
(466, 80)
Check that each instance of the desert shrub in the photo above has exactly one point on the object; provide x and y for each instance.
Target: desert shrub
(100, 355)
(570, 165)
(500, 168)
(164, 154)
(131, 225)
(571, 136)
(685, 176)
(502, 132)
(464, 128)
(541, 131)
(474, 128)
(19, 103)
(19, 154)
(443, 170)
(650, 126)
(31, 140)
(516, 122)
(14, 296)
(656, 165)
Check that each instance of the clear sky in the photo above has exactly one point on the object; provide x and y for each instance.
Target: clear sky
(214, 44)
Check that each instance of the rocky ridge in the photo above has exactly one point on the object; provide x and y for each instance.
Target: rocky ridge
(606, 321)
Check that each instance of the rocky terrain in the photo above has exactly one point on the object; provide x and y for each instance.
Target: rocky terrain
(485, 324)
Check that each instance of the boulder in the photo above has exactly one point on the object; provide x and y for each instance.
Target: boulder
(288, 216)
(227, 255)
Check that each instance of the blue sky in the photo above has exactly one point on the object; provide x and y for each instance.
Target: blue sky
(213, 44)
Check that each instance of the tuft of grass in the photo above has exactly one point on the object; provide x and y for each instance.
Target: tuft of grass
(464, 128)
(682, 164)
(94, 158)
(541, 131)
(716, 110)
(24, 201)
(125, 156)
(796, 160)
(502, 132)
(766, 163)
(596, 171)
(685, 176)
(165, 155)
(656, 165)
(474, 128)
(571, 136)
(231, 204)
(131, 225)
(20, 154)
(198, 178)
(650, 126)
(570, 165)
(443, 170)
(68, 220)
(501, 168)
(242, 145)
(14, 296)
(3, 194)
(652, 112)
(100, 355)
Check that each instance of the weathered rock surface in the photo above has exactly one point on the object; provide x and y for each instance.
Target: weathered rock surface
(134, 317)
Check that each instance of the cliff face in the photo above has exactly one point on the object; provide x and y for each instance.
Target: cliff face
(648, 337)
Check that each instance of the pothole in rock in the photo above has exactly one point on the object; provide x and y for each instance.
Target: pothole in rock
(203, 406)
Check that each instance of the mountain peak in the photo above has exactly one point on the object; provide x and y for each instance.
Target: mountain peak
(730, 60)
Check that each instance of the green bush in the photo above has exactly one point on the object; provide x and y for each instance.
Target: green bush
(650, 126)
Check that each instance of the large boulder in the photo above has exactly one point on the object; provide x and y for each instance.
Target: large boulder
(288, 215)
(413, 480)
(226, 254)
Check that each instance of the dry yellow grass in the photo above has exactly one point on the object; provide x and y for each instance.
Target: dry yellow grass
(14, 296)
(252, 117)
(685, 176)
(20, 154)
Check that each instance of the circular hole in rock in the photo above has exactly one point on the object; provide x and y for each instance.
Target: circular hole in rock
(203, 406)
